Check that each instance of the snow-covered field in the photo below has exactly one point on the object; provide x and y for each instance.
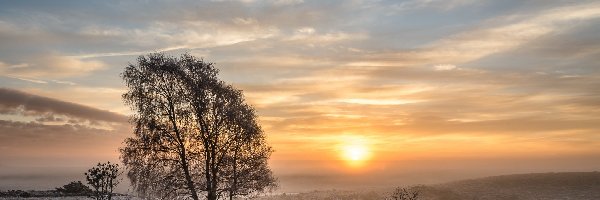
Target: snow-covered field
(66, 198)
(550, 186)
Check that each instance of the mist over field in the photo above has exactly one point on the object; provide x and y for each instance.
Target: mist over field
(579, 185)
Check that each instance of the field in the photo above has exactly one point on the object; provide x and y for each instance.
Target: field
(550, 186)
(66, 198)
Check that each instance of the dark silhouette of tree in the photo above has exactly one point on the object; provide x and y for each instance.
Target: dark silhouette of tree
(193, 132)
(103, 178)
(75, 189)
(404, 194)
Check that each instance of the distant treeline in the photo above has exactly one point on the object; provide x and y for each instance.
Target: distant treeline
(31, 193)
(43, 193)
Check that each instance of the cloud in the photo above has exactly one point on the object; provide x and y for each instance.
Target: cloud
(287, 2)
(308, 35)
(444, 67)
(28, 79)
(12, 100)
(45, 66)
(378, 101)
(493, 36)
(438, 4)
(167, 36)
(27, 144)
(64, 82)
(417, 95)
(476, 44)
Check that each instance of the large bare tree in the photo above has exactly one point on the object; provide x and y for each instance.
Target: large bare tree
(194, 134)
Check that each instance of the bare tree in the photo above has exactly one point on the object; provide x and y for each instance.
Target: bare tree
(189, 127)
(103, 178)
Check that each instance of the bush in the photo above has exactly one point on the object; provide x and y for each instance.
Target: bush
(75, 189)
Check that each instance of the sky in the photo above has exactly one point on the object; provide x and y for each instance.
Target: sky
(351, 94)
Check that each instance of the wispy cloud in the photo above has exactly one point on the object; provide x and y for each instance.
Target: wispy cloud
(419, 4)
(52, 66)
(28, 79)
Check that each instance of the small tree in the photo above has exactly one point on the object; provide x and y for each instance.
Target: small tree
(103, 178)
(404, 194)
(75, 189)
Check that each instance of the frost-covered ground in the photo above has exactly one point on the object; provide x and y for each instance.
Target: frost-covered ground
(548, 186)
(66, 198)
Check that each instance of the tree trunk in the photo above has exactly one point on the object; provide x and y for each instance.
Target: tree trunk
(182, 152)
(212, 191)
(212, 195)
(233, 188)
(110, 188)
(212, 169)
(188, 177)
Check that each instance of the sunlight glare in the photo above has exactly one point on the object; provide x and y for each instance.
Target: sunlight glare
(354, 151)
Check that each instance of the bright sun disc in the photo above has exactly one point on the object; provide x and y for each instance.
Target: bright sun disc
(354, 150)
(355, 153)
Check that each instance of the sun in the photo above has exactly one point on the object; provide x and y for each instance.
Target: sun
(355, 152)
